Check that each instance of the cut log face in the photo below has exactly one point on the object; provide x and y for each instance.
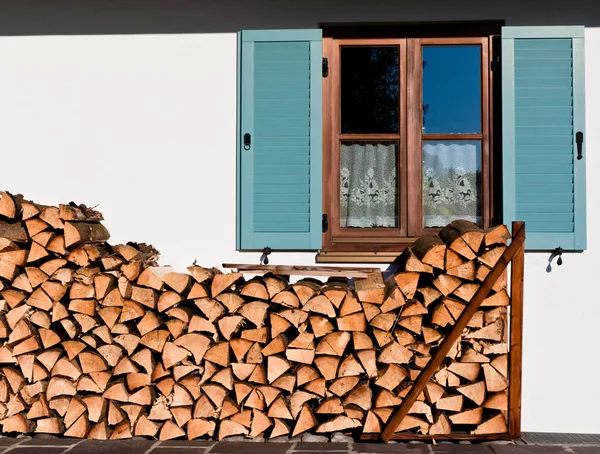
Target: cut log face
(305, 421)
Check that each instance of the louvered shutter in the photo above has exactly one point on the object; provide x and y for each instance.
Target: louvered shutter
(279, 171)
(542, 111)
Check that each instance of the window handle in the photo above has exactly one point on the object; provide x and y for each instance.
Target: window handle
(579, 142)
(247, 141)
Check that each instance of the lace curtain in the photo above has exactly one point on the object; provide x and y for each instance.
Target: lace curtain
(451, 183)
(368, 185)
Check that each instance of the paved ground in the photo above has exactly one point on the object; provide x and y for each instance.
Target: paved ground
(59, 446)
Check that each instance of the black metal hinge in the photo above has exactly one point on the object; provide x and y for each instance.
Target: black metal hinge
(325, 224)
(325, 67)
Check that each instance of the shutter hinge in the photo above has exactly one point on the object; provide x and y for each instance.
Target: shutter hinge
(325, 67)
(325, 224)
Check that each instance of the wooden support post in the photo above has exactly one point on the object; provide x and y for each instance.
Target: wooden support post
(516, 245)
(516, 341)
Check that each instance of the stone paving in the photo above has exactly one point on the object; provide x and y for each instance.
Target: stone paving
(142, 446)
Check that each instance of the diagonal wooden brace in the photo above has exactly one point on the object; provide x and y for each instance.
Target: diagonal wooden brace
(436, 360)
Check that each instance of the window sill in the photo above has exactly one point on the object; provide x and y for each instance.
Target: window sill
(357, 257)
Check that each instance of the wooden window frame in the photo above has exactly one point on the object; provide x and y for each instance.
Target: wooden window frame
(381, 245)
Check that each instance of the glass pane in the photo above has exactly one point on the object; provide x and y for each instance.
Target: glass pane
(369, 190)
(451, 182)
(451, 89)
(369, 78)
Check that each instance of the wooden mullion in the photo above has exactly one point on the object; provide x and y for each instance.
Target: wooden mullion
(434, 363)
(370, 137)
(453, 136)
(361, 232)
(402, 178)
(414, 113)
(516, 342)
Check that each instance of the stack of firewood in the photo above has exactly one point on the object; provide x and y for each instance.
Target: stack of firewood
(98, 342)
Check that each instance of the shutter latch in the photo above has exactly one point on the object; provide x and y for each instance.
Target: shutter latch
(264, 258)
(325, 224)
(325, 67)
(579, 142)
(558, 253)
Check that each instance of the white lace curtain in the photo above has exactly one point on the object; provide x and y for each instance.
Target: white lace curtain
(368, 185)
(450, 183)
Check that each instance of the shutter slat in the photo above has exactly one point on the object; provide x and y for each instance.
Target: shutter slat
(526, 73)
(270, 130)
(281, 57)
(260, 142)
(271, 169)
(541, 81)
(545, 54)
(545, 226)
(279, 83)
(545, 207)
(283, 227)
(275, 66)
(538, 139)
(546, 180)
(566, 131)
(547, 159)
(289, 151)
(280, 207)
(544, 149)
(545, 169)
(528, 120)
(541, 113)
(562, 93)
(281, 198)
(542, 44)
(546, 198)
(548, 188)
(267, 158)
(283, 47)
(272, 106)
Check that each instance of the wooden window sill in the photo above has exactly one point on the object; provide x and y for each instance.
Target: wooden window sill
(357, 257)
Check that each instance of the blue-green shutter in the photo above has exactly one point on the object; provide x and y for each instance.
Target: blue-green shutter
(279, 175)
(543, 107)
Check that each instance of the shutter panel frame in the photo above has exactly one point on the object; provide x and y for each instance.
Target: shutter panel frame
(248, 235)
(547, 235)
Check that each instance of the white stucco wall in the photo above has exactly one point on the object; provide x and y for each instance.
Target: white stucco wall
(144, 127)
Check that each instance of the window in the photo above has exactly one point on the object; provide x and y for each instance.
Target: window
(407, 145)
(427, 109)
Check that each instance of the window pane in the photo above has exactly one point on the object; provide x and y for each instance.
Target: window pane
(451, 182)
(369, 190)
(451, 89)
(369, 78)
